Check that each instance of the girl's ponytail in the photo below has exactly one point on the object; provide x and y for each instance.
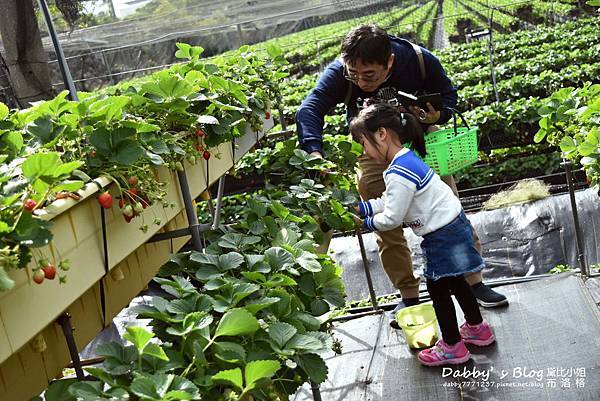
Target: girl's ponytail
(413, 133)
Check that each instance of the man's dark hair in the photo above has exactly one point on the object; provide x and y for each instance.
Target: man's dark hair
(368, 43)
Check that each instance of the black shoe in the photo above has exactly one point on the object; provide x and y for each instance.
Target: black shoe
(487, 297)
(401, 305)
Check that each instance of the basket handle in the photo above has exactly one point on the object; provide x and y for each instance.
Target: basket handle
(454, 113)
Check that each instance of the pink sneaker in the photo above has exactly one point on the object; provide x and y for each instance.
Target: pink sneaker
(480, 334)
(444, 354)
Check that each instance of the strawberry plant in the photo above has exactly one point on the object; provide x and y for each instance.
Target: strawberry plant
(570, 118)
(326, 196)
(25, 183)
(240, 319)
(123, 134)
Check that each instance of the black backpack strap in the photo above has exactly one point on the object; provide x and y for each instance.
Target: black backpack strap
(348, 94)
(417, 50)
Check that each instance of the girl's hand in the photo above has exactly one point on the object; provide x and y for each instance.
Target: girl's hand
(357, 220)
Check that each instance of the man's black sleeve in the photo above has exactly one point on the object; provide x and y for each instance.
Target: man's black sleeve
(330, 90)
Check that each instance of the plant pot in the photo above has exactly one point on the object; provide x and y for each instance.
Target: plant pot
(28, 371)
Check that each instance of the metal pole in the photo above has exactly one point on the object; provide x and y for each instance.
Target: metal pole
(110, 73)
(240, 35)
(60, 56)
(365, 261)
(190, 211)
(578, 234)
(316, 391)
(319, 54)
(65, 322)
(352, 316)
(216, 216)
(491, 51)
(111, 9)
(281, 116)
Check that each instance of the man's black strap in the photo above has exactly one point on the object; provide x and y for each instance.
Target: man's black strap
(417, 50)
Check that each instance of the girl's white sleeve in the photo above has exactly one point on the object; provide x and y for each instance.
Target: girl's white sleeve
(371, 206)
(393, 204)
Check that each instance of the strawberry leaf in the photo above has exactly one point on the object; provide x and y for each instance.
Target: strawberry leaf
(231, 376)
(139, 337)
(237, 322)
(156, 351)
(257, 372)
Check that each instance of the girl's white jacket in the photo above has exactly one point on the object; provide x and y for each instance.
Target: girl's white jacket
(414, 195)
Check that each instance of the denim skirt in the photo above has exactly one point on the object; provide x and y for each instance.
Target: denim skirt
(450, 250)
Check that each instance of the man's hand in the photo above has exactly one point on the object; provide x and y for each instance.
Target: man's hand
(431, 116)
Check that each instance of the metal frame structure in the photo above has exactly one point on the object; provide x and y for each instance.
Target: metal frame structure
(60, 56)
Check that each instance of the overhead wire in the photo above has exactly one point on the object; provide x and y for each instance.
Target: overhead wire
(164, 37)
(160, 38)
(283, 47)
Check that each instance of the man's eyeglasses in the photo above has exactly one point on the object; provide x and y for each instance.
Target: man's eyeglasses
(371, 77)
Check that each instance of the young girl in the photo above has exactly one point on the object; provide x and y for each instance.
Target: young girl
(416, 196)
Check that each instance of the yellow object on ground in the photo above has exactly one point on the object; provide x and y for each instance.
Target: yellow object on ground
(419, 325)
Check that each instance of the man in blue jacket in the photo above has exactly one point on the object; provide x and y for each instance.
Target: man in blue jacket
(374, 64)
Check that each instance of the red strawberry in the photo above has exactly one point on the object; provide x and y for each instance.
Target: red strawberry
(49, 271)
(106, 200)
(267, 115)
(133, 181)
(200, 133)
(93, 153)
(199, 148)
(206, 155)
(30, 204)
(133, 192)
(38, 276)
(127, 218)
(121, 203)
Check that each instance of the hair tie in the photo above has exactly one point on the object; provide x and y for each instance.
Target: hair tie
(402, 119)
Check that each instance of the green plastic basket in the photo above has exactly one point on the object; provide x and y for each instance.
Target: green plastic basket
(451, 150)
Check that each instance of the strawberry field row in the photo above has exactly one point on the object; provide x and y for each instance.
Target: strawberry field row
(523, 44)
(312, 48)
